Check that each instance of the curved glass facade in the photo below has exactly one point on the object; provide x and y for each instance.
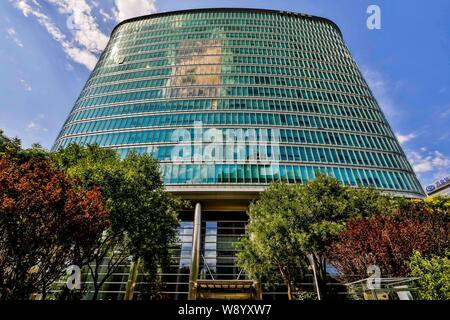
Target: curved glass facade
(239, 96)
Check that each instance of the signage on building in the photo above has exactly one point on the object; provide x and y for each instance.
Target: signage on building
(438, 184)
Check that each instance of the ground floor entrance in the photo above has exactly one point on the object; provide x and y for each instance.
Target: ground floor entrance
(204, 258)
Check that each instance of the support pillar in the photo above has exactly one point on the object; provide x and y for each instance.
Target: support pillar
(195, 258)
(316, 283)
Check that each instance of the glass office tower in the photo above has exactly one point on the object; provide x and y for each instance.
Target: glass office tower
(230, 100)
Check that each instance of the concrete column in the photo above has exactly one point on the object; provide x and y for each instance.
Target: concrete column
(195, 259)
(313, 267)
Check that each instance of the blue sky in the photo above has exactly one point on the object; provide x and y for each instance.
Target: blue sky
(48, 47)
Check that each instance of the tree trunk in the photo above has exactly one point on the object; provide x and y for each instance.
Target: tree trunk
(64, 293)
(44, 294)
(95, 295)
(287, 282)
(289, 291)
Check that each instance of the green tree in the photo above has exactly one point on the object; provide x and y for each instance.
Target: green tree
(270, 250)
(143, 216)
(8, 145)
(438, 204)
(433, 274)
(12, 148)
(288, 223)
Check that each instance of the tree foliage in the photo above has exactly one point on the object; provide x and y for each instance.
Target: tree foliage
(290, 222)
(270, 251)
(12, 148)
(124, 212)
(45, 217)
(433, 275)
(143, 216)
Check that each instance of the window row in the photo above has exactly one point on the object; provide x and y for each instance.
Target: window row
(227, 104)
(300, 54)
(345, 66)
(295, 58)
(285, 136)
(219, 32)
(339, 56)
(268, 61)
(221, 91)
(227, 80)
(264, 153)
(305, 69)
(262, 174)
(295, 82)
(316, 28)
(99, 78)
(187, 27)
(123, 86)
(228, 18)
(229, 118)
(289, 57)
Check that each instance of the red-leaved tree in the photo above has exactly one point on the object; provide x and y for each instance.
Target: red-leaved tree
(47, 222)
(387, 241)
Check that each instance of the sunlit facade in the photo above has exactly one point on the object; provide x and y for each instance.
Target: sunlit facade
(230, 100)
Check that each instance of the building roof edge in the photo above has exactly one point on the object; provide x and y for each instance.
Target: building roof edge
(283, 12)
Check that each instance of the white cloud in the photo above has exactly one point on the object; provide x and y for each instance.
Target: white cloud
(432, 161)
(25, 85)
(126, 9)
(405, 138)
(69, 67)
(446, 113)
(440, 160)
(31, 125)
(34, 126)
(380, 89)
(82, 23)
(81, 56)
(23, 6)
(87, 39)
(12, 34)
(106, 16)
(444, 136)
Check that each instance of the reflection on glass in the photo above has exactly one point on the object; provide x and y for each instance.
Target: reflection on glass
(196, 71)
